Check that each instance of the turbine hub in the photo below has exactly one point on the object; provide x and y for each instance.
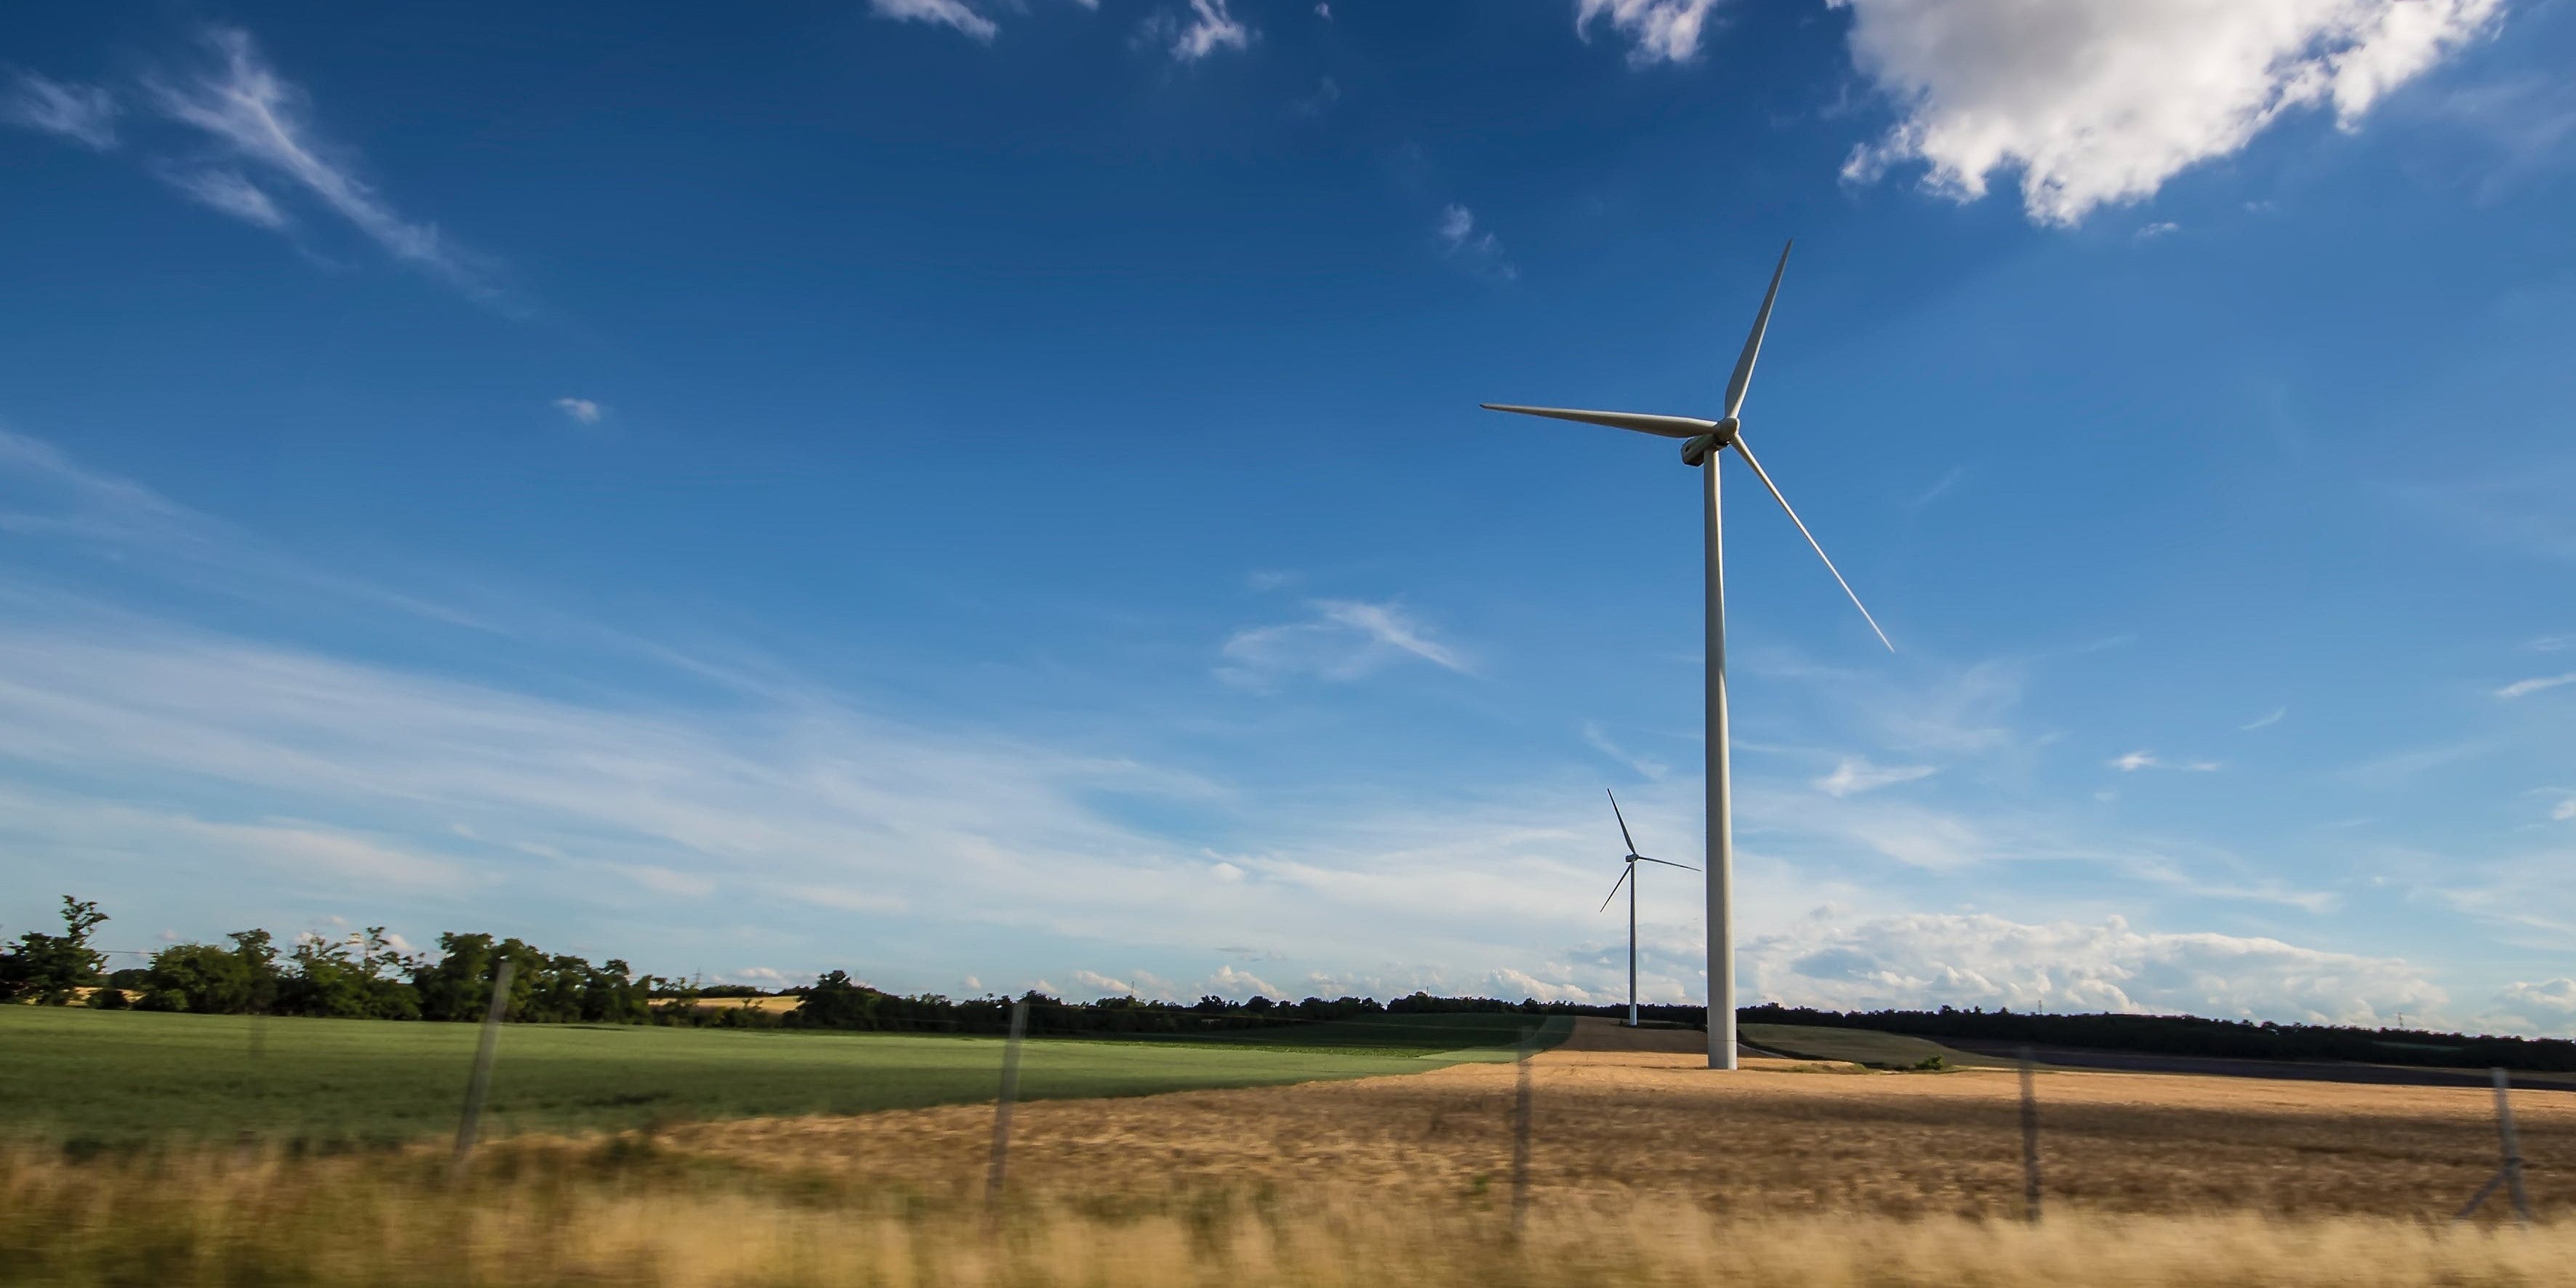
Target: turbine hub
(1697, 451)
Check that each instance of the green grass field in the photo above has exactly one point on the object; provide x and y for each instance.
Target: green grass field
(122, 1076)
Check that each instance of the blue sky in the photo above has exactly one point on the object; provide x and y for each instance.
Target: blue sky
(990, 494)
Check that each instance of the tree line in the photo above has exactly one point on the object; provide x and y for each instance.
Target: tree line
(366, 976)
(2191, 1035)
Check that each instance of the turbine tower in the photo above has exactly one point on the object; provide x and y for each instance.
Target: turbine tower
(1628, 877)
(1704, 441)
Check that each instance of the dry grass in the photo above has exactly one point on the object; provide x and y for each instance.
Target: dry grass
(1647, 1171)
(564, 1214)
(1778, 1139)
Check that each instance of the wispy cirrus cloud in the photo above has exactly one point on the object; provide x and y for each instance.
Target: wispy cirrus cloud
(2537, 684)
(84, 114)
(581, 410)
(1345, 639)
(1211, 26)
(2099, 102)
(252, 146)
(1660, 31)
(2266, 720)
(2137, 760)
(1854, 775)
(261, 123)
(941, 13)
(1477, 250)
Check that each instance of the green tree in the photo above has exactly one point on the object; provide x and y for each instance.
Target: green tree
(49, 969)
(211, 980)
(363, 977)
(835, 1002)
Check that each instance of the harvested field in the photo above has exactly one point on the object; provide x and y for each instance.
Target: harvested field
(1778, 1139)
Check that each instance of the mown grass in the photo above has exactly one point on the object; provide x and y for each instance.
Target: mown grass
(114, 1078)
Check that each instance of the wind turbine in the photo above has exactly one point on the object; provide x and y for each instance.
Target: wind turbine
(1704, 441)
(1628, 877)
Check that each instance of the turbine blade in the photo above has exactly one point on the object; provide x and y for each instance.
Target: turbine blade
(1667, 863)
(1743, 378)
(1614, 886)
(1760, 473)
(1623, 821)
(1638, 421)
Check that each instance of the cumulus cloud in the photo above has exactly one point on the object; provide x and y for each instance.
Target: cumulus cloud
(1982, 960)
(943, 13)
(1344, 640)
(1239, 984)
(2555, 998)
(582, 410)
(84, 114)
(1662, 31)
(1855, 775)
(2525, 688)
(2099, 102)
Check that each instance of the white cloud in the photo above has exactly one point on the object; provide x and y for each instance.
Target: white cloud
(1855, 775)
(2555, 998)
(1210, 28)
(1241, 984)
(2525, 688)
(2552, 643)
(945, 13)
(1942, 487)
(1106, 986)
(259, 119)
(1663, 30)
(582, 410)
(2564, 810)
(2099, 102)
(2265, 721)
(1345, 640)
(1324, 11)
(85, 114)
(230, 192)
(2137, 760)
(1981, 960)
(2158, 229)
(1462, 243)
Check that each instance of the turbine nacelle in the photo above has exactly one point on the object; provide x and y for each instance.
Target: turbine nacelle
(1696, 452)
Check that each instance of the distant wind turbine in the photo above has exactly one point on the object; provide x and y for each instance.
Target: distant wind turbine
(1704, 441)
(1628, 877)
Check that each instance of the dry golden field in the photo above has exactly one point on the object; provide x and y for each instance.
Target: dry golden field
(1646, 1170)
(1778, 1138)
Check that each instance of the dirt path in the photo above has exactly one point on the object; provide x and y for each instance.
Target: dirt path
(1777, 1137)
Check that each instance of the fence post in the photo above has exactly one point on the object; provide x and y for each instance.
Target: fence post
(479, 1083)
(2510, 1145)
(1002, 1105)
(2029, 1138)
(1521, 1130)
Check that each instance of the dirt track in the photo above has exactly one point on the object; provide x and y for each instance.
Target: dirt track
(1776, 1137)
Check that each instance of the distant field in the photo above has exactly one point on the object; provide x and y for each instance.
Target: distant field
(127, 1076)
(1861, 1046)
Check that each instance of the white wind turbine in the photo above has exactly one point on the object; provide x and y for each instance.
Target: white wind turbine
(1628, 877)
(1705, 440)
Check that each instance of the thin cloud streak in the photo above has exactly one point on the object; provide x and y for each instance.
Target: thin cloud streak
(251, 112)
(84, 114)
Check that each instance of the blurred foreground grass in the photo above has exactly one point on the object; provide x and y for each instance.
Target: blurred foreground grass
(121, 1077)
(534, 1214)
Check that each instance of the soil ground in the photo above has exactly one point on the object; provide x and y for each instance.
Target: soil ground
(1777, 1138)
